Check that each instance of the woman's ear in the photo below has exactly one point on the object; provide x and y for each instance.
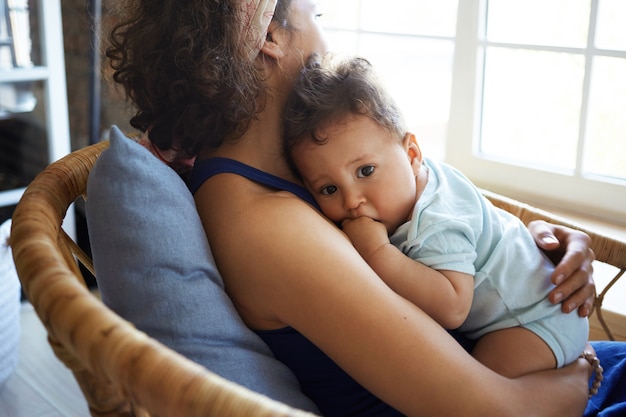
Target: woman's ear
(413, 151)
(275, 42)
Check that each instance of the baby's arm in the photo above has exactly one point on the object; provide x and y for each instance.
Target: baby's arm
(444, 295)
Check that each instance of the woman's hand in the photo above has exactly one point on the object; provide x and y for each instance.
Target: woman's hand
(573, 276)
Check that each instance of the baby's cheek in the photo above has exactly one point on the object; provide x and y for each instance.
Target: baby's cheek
(332, 211)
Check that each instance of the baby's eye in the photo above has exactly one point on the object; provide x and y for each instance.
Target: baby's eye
(318, 16)
(365, 171)
(328, 190)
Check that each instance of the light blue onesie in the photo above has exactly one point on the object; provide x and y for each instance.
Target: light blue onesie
(455, 228)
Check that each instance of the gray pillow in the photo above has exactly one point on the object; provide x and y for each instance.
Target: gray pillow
(154, 268)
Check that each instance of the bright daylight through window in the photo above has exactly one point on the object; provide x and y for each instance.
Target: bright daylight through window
(527, 98)
(411, 44)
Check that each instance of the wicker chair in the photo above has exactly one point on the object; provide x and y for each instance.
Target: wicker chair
(113, 362)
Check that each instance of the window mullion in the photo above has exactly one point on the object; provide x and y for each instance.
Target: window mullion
(463, 124)
(584, 108)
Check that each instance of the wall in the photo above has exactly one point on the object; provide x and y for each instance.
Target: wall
(114, 110)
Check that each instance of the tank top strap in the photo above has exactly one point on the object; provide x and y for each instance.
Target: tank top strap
(206, 168)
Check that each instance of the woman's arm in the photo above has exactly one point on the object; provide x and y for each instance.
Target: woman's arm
(284, 264)
(573, 276)
(446, 296)
(386, 343)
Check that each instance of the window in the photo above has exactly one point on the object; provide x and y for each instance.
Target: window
(539, 99)
(527, 98)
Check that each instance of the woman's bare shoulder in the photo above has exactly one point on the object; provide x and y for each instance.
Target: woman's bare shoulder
(268, 243)
(296, 264)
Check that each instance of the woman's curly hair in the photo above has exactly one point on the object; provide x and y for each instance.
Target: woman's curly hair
(181, 65)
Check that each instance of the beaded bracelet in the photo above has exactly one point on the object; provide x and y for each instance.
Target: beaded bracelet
(595, 365)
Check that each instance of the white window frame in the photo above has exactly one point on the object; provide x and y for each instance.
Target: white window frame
(573, 191)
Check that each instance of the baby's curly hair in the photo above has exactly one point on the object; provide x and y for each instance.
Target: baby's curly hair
(181, 65)
(331, 88)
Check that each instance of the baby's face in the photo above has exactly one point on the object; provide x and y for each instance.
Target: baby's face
(361, 171)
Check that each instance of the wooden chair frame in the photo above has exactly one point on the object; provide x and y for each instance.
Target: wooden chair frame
(122, 371)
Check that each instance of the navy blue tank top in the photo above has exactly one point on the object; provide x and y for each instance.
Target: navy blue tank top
(205, 169)
(333, 390)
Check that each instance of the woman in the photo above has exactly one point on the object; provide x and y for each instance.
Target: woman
(210, 79)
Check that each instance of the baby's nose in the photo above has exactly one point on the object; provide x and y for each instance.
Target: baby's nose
(353, 200)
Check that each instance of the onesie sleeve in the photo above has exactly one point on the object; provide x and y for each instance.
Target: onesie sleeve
(445, 245)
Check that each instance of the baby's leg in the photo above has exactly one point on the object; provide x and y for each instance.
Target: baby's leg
(514, 352)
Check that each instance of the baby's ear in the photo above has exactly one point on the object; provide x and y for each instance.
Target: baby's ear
(412, 147)
(413, 151)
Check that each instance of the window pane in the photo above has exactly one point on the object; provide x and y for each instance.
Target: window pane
(611, 30)
(418, 74)
(539, 22)
(416, 17)
(605, 146)
(531, 107)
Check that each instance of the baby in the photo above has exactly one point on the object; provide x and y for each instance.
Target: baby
(346, 138)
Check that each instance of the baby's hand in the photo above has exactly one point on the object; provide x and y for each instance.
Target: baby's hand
(367, 235)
